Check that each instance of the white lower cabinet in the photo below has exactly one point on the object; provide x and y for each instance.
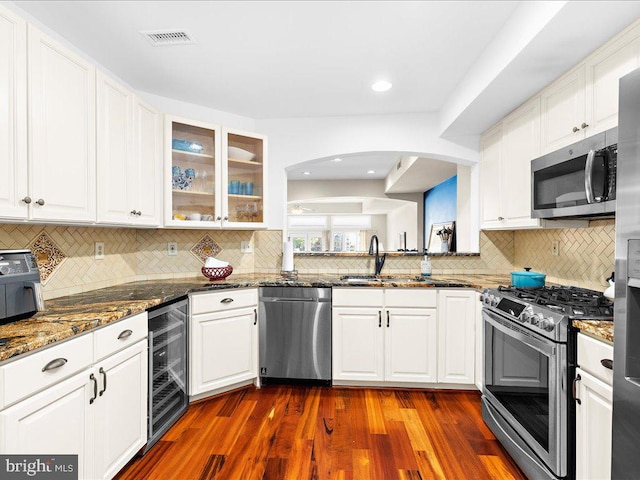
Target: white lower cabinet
(56, 421)
(358, 344)
(223, 340)
(399, 336)
(97, 411)
(594, 407)
(456, 337)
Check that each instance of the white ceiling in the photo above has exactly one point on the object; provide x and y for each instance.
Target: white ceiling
(274, 59)
(353, 166)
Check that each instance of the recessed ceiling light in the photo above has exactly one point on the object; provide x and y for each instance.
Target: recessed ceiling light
(336, 160)
(371, 172)
(381, 86)
(306, 172)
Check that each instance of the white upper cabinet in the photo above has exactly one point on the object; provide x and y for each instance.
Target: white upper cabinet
(147, 153)
(603, 72)
(491, 178)
(62, 121)
(521, 144)
(129, 156)
(563, 111)
(13, 115)
(116, 177)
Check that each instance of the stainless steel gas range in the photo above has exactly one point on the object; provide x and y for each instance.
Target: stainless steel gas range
(529, 366)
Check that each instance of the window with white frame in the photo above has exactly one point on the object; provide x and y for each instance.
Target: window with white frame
(336, 233)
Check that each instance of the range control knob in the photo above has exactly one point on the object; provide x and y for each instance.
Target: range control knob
(4, 270)
(536, 318)
(494, 300)
(546, 324)
(526, 316)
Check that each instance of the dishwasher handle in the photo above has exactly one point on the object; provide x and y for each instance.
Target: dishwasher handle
(294, 300)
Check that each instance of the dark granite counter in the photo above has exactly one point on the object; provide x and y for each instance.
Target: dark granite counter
(65, 317)
(602, 330)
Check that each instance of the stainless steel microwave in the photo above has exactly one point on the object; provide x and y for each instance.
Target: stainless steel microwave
(578, 180)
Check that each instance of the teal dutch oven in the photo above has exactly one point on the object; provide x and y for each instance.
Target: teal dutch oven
(527, 278)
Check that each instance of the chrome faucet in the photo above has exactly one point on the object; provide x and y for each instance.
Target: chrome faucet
(379, 261)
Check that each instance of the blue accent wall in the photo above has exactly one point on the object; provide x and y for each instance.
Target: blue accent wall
(440, 205)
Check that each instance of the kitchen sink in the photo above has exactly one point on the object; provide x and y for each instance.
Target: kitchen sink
(374, 279)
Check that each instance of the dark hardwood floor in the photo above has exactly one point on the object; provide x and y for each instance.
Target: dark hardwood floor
(299, 433)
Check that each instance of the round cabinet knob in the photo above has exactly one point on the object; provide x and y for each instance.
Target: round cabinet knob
(575, 129)
(226, 218)
(500, 219)
(584, 125)
(27, 200)
(133, 212)
(218, 218)
(40, 202)
(4, 270)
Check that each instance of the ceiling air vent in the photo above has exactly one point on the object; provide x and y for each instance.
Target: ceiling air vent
(161, 38)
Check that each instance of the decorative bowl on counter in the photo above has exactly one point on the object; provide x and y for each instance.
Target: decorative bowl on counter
(241, 154)
(527, 278)
(217, 273)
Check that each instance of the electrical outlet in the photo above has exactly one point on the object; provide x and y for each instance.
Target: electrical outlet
(172, 249)
(246, 247)
(99, 251)
(555, 249)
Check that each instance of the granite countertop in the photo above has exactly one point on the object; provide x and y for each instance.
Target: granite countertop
(602, 330)
(65, 317)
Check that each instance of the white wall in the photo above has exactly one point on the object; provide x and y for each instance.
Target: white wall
(400, 220)
(298, 140)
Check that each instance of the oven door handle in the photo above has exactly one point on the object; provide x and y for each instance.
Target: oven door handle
(520, 335)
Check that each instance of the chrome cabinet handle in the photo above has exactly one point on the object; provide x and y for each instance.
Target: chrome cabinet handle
(53, 364)
(387, 318)
(226, 300)
(379, 318)
(255, 316)
(92, 377)
(27, 199)
(575, 129)
(607, 363)
(104, 381)
(575, 389)
(125, 334)
(40, 202)
(584, 125)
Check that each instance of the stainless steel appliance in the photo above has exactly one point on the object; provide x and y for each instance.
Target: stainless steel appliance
(626, 348)
(20, 289)
(295, 334)
(168, 374)
(529, 363)
(578, 180)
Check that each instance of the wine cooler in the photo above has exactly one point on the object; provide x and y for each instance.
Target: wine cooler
(168, 389)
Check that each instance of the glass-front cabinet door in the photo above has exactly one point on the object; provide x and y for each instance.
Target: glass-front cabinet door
(193, 174)
(244, 179)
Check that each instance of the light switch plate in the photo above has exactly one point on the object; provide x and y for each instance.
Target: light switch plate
(172, 249)
(99, 251)
(246, 247)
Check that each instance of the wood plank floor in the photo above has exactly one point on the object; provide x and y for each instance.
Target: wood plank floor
(299, 433)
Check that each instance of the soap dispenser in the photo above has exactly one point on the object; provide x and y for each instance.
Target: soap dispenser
(425, 267)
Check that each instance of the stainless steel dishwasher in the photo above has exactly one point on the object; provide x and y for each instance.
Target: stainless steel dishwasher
(295, 335)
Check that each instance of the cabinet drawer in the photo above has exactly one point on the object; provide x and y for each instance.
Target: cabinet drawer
(224, 300)
(28, 375)
(358, 297)
(410, 297)
(591, 352)
(119, 335)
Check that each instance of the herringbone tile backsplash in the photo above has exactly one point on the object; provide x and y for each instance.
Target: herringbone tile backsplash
(586, 255)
